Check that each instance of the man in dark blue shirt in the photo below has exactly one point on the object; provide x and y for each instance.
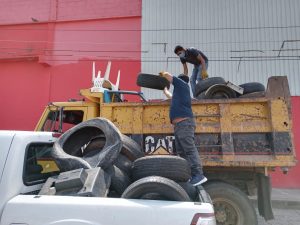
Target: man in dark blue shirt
(181, 116)
(195, 57)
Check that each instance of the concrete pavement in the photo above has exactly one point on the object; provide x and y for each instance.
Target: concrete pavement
(284, 199)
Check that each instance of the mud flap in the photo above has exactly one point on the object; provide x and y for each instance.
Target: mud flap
(264, 197)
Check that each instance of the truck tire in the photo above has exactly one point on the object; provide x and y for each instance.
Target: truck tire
(203, 85)
(231, 205)
(219, 91)
(172, 167)
(158, 187)
(130, 148)
(72, 150)
(124, 164)
(190, 190)
(119, 181)
(257, 94)
(252, 87)
(152, 81)
(201, 96)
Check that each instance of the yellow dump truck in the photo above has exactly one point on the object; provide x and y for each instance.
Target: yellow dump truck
(240, 140)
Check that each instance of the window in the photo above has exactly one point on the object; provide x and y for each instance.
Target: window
(39, 165)
(70, 119)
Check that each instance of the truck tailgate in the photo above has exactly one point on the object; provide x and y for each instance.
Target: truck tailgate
(37, 210)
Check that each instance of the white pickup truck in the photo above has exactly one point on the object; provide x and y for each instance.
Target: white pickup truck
(20, 203)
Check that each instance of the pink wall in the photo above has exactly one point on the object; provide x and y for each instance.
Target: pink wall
(50, 60)
(19, 12)
(292, 179)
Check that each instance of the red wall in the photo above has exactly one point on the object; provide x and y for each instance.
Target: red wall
(292, 179)
(51, 59)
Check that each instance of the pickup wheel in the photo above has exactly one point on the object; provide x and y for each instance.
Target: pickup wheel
(152, 81)
(231, 205)
(156, 188)
(203, 85)
(172, 167)
(95, 142)
(131, 149)
(252, 87)
(119, 181)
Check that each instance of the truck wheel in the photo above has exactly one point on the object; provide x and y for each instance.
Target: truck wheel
(124, 164)
(203, 85)
(131, 149)
(95, 142)
(172, 167)
(158, 187)
(252, 87)
(231, 205)
(219, 91)
(152, 81)
(119, 181)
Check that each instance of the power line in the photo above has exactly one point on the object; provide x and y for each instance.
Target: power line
(159, 30)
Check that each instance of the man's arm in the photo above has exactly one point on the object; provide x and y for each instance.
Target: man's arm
(202, 61)
(167, 93)
(185, 69)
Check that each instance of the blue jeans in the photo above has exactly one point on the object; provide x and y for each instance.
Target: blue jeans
(196, 76)
(184, 133)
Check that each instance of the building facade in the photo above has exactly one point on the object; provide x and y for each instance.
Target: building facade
(47, 48)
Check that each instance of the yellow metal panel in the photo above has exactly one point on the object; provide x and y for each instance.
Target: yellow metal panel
(280, 116)
(156, 119)
(250, 117)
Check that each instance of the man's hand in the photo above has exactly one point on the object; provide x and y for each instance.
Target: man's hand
(167, 93)
(166, 75)
(204, 74)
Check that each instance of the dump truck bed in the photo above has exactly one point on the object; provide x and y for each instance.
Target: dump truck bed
(243, 132)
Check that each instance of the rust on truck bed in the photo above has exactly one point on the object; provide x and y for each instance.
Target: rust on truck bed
(243, 132)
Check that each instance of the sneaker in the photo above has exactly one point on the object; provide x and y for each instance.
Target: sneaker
(198, 179)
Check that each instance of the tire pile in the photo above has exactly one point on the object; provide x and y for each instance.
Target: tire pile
(209, 88)
(95, 159)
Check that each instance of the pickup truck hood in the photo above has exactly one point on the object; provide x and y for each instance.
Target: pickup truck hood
(67, 210)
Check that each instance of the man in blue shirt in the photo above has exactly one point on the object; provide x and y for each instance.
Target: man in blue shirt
(181, 116)
(195, 57)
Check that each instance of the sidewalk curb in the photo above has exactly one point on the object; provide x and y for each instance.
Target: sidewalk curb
(280, 204)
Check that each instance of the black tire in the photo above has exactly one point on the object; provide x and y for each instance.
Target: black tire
(131, 149)
(201, 96)
(119, 181)
(219, 91)
(258, 94)
(252, 87)
(124, 164)
(172, 167)
(74, 150)
(152, 81)
(231, 205)
(160, 187)
(203, 85)
(190, 190)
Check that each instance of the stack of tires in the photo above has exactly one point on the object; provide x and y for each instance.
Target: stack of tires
(209, 88)
(94, 154)
(216, 88)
